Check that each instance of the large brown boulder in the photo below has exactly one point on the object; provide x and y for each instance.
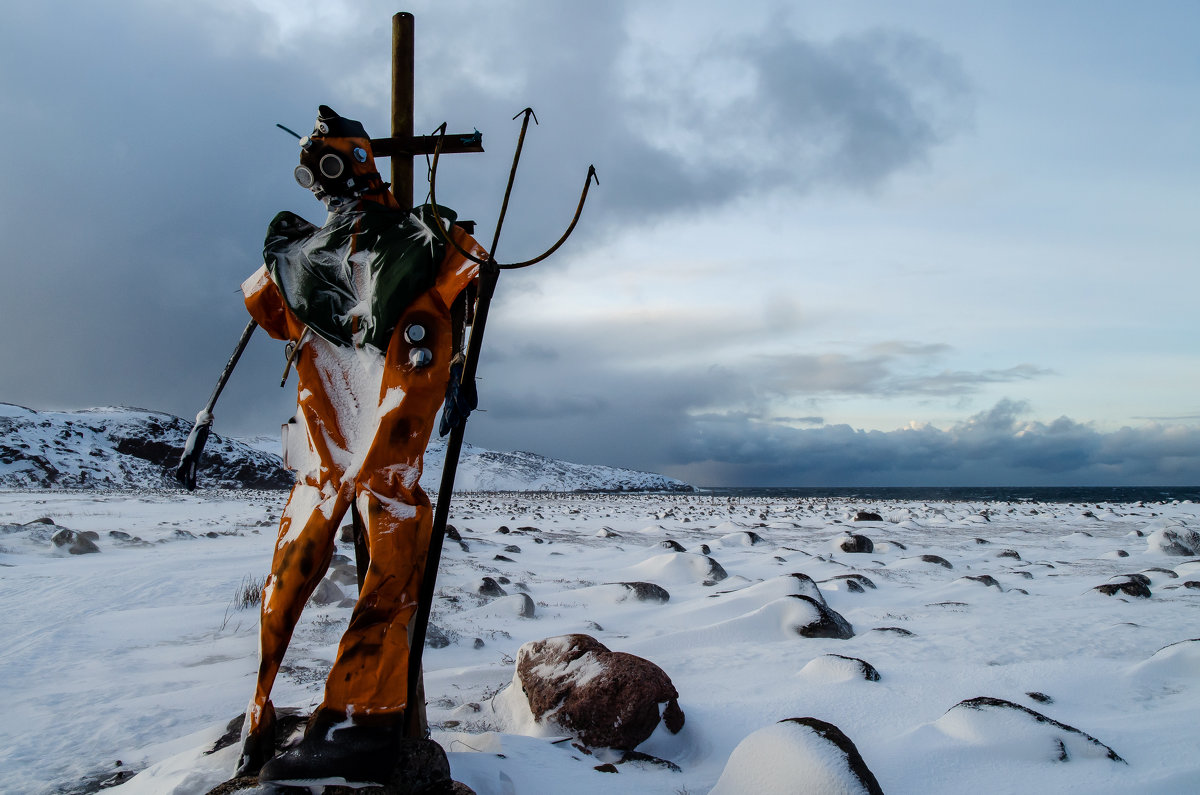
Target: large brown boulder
(605, 699)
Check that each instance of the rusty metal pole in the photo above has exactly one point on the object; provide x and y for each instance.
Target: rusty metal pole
(403, 38)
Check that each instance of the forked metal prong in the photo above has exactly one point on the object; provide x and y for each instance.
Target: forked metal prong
(491, 262)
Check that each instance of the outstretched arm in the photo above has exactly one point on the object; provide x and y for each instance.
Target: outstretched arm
(189, 460)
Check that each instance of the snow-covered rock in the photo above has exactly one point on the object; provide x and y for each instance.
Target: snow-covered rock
(1176, 540)
(1013, 731)
(605, 698)
(797, 755)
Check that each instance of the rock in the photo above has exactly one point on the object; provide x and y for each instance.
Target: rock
(796, 755)
(855, 583)
(838, 667)
(982, 541)
(1128, 588)
(936, 559)
(1041, 698)
(807, 586)
(641, 759)
(984, 579)
(73, 543)
(1170, 575)
(344, 573)
(436, 637)
(674, 546)
(1011, 729)
(855, 544)
(512, 549)
(901, 631)
(647, 592)
(503, 559)
(867, 516)
(603, 698)
(326, 593)
(527, 609)
(1192, 584)
(1009, 553)
(452, 533)
(716, 572)
(1177, 541)
(489, 587)
(826, 623)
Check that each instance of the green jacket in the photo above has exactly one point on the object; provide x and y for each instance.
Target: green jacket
(312, 266)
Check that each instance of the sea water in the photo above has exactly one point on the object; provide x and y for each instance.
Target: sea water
(1060, 494)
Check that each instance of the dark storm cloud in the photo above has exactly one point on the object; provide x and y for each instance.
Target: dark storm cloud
(850, 111)
(993, 448)
(143, 166)
(667, 408)
(720, 425)
(148, 167)
(796, 114)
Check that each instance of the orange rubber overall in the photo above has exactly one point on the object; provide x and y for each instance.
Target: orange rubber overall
(360, 431)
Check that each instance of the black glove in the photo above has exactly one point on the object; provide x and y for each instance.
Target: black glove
(189, 461)
(461, 400)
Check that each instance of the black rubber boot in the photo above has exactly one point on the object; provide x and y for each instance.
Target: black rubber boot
(336, 750)
(260, 746)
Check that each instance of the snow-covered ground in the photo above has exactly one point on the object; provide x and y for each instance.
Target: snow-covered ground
(141, 654)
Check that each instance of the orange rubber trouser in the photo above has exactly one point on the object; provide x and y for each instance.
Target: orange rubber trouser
(368, 451)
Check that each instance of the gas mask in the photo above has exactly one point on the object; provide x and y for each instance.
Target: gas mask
(335, 159)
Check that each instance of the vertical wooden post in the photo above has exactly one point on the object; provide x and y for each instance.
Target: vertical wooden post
(403, 59)
(403, 37)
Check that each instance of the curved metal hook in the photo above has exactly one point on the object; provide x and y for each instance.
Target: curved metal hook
(587, 183)
(490, 262)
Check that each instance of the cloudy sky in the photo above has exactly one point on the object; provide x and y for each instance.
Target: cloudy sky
(833, 243)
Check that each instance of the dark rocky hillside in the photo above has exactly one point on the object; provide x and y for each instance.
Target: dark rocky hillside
(109, 448)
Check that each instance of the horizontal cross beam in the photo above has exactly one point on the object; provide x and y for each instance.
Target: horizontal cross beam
(407, 146)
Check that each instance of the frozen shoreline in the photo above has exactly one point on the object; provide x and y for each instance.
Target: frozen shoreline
(136, 654)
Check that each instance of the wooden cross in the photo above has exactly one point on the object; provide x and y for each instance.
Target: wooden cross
(402, 146)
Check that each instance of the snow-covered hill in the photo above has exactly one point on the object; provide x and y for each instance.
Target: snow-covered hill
(113, 448)
(489, 470)
(120, 448)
